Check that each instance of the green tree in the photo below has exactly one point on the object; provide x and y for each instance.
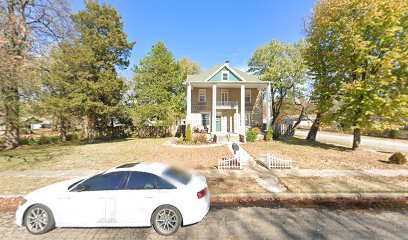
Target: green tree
(26, 30)
(367, 66)
(185, 67)
(83, 77)
(155, 80)
(283, 66)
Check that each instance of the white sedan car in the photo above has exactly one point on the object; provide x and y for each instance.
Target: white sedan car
(131, 195)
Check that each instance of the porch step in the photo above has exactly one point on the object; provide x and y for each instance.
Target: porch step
(223, 137)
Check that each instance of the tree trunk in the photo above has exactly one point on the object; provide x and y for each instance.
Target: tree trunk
(11, 117)
(63, 132)
(356, 138)
(90, 127)
(311, 136)
(113, 129)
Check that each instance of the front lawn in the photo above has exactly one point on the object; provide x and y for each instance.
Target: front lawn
(24, 185)
(234, 186)
(100, 156)
(308, 155)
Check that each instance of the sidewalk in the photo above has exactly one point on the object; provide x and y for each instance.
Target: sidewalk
(213, 173)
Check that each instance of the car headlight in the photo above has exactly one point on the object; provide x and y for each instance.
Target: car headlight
(22, 201)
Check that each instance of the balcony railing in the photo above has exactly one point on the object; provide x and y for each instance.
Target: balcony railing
(227, 104)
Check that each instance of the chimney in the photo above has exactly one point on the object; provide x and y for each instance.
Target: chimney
(227, 62)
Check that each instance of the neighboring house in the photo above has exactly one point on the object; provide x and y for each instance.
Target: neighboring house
(41, 125)
(224, 99)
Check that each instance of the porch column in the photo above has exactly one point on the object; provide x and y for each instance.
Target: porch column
(188, 117)
(268, 106)
(242, 117)
(214, 109)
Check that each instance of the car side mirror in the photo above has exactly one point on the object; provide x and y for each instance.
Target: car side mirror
(80, 188)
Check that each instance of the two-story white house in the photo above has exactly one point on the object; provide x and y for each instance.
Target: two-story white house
(224, 99)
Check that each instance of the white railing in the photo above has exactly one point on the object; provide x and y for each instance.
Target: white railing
(232, 163)
(271, 161)
(227, 103)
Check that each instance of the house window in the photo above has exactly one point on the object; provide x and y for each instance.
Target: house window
(225, 76)
(205, 119)
(201, 95)
(248, 96)
(247, 119)
(224, 97)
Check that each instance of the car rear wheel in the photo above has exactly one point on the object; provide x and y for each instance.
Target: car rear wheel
(166, 220)
(39, 219)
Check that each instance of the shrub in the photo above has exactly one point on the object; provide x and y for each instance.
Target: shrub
(44, 140)
(32, 141)
(189, 134)
(200, 138)
(73, 137)
(251, 136)
(393, 133)
(269, 134)
(256, 131)
(24, 141)
(398, 158)
(180, 139)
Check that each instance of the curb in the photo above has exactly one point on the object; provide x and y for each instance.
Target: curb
(11, 202)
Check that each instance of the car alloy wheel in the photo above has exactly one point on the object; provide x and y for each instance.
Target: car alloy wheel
(38, 219)
(167, 220)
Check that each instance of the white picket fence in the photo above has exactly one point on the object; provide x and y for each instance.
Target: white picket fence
(232, 163)
(271, 161)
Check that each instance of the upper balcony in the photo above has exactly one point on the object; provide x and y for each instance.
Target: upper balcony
(227, 104)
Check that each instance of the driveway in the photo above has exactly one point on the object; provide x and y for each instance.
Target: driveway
(249, 223)
(346, 140)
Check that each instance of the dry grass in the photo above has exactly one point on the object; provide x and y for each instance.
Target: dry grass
(105, 155)
(345, 184)
(23, 185)
(307, 155)
(234, 186)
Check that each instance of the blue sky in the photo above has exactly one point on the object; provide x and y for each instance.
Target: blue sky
(210, 32)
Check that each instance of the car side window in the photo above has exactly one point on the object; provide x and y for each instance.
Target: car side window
(142, 180)
(101, 182)
(163, 184)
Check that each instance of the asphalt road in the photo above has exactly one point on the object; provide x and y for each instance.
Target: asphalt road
(249, 223)
(346, 140)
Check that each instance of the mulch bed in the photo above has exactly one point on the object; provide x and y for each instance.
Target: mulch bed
(9, 204)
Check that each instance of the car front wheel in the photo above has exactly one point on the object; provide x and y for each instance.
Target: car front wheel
(39, 219)
(166, 220)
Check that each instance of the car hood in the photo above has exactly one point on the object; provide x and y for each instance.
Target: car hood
(53, 190)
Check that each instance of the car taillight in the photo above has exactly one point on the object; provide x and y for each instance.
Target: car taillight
(202, 193)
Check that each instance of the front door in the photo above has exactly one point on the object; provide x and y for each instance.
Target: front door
(218, 124)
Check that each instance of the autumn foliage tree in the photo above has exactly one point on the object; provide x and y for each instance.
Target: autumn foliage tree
(358, 55)
(283, 66)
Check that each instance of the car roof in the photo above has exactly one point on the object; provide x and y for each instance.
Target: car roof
(151, 167)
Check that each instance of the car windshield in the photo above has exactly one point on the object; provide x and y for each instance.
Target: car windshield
(82, 180)
(178, 175)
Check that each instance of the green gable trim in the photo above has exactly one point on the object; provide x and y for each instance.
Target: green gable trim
(218, 77)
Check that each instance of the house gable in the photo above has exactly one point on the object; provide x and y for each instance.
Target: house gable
(218, 76)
